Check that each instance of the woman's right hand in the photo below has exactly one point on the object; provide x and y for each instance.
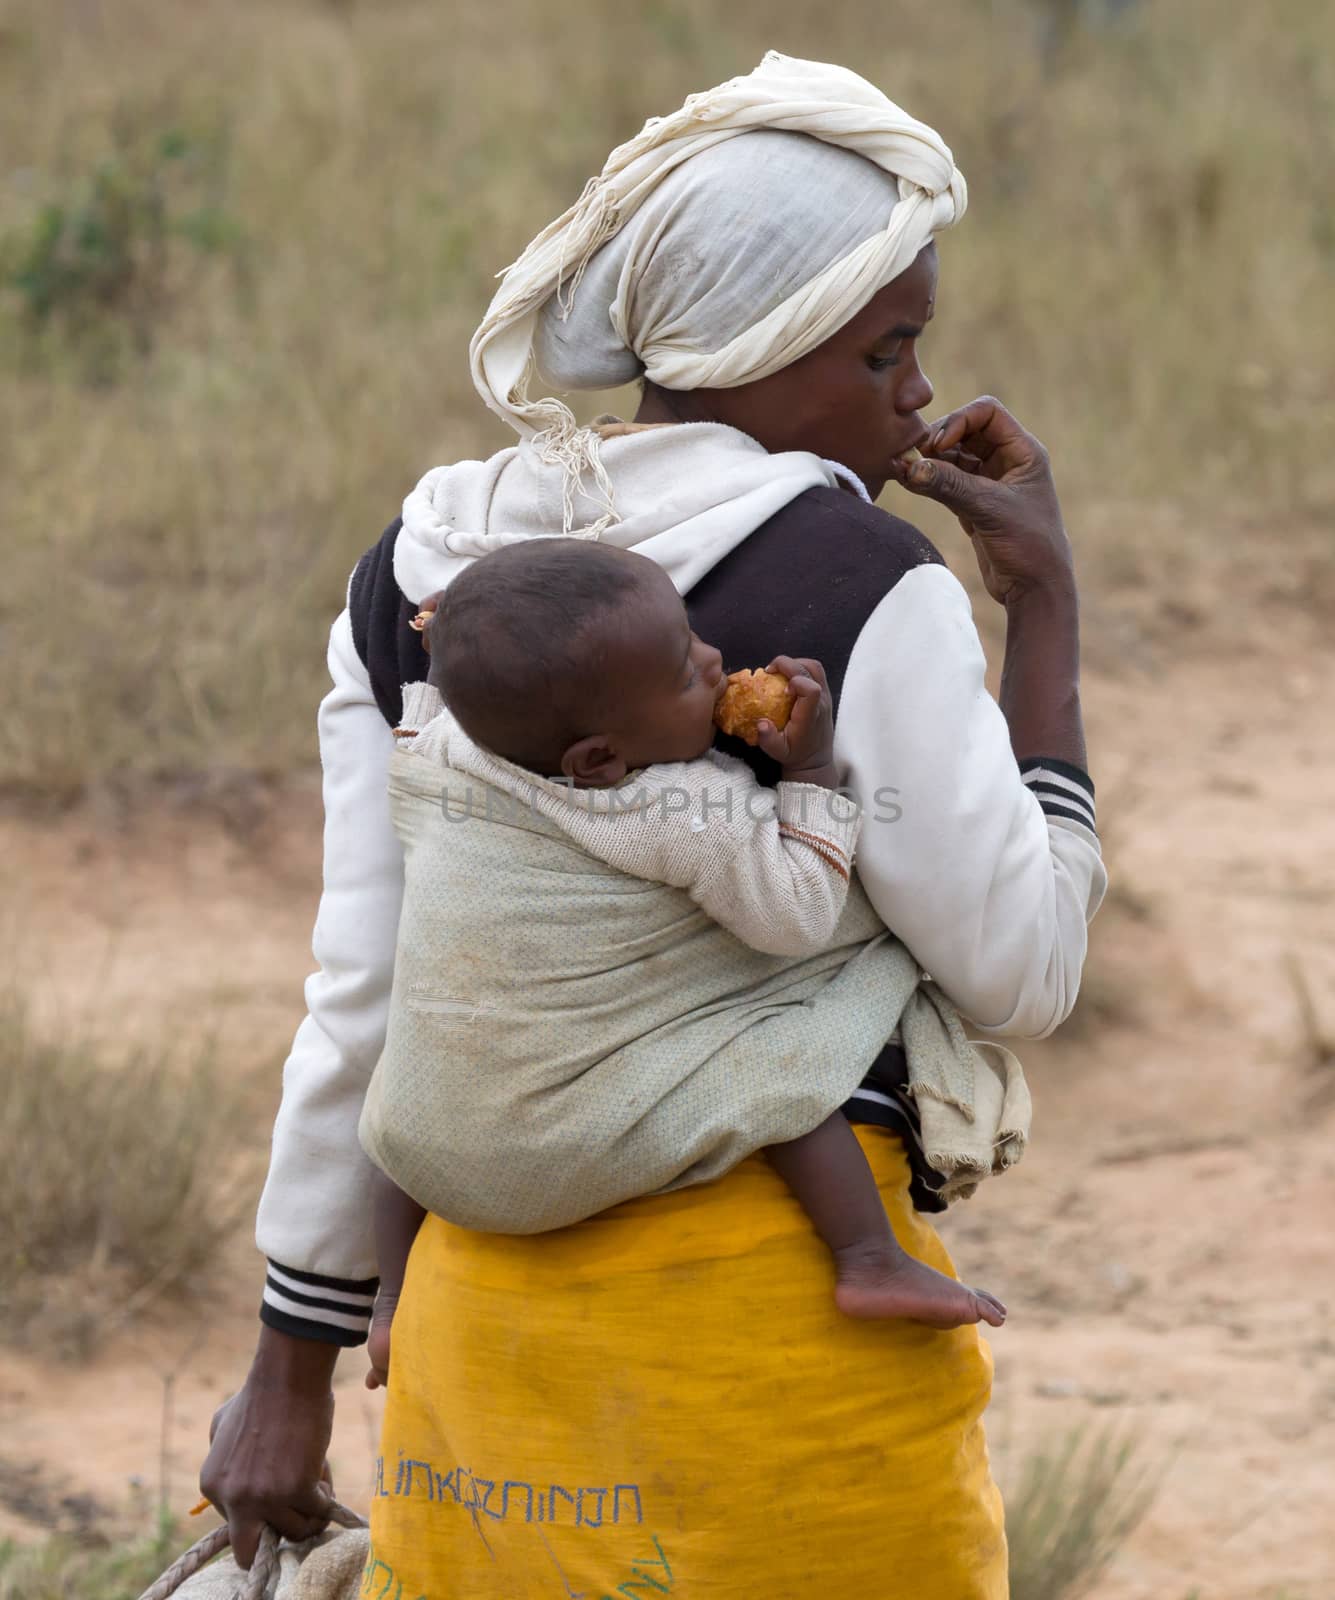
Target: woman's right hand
(996, 477)
(268, 1445)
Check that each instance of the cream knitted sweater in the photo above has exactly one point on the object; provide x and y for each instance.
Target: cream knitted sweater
(771, 866)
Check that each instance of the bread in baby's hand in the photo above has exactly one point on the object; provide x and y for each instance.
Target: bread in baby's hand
(749, 697)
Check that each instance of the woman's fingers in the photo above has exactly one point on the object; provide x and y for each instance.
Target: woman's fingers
(1012, 517)
(963, 492)
(278, 1474)
(247, 1521)
(973, 448)
(986, 416)
(961, 459)
(989, 433)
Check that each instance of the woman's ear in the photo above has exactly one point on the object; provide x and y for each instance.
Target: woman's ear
(593, 762)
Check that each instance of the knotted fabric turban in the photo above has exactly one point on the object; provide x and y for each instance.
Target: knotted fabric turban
(718, 246)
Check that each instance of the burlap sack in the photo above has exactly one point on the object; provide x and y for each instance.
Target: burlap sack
(327, 1568)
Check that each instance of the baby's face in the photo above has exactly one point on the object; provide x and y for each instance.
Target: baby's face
(672, 681)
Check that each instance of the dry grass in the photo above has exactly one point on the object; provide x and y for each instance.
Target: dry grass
(245, 242)
(64, 1568)
(117, 1181)
(70, 1568)
(1317, 1029)
(1316, 1023)
(1074, 1505)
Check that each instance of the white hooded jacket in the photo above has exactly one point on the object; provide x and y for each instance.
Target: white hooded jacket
(988, 873)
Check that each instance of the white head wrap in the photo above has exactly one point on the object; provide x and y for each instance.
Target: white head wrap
(715, 248)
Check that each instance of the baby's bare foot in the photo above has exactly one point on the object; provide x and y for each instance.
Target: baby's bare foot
(881, 1281)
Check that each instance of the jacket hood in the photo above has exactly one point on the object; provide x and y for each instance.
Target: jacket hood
(684, 494)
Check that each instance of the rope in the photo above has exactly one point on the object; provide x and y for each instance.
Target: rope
(263, 1570)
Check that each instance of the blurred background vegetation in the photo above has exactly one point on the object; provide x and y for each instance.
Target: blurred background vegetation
(243, 245)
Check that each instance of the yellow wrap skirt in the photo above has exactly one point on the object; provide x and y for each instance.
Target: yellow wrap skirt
(663, 1400)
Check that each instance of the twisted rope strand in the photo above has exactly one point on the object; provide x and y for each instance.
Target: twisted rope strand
(263, 1570)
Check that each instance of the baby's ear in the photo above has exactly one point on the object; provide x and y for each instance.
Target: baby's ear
(426, 612)
(594, 762)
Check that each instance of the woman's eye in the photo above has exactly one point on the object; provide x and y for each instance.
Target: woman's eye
(879, 363)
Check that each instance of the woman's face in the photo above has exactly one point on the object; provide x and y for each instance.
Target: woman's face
(854, 399)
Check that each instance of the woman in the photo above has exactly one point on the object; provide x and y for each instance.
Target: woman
(661, 1399)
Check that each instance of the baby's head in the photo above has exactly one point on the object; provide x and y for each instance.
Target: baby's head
(571, 657)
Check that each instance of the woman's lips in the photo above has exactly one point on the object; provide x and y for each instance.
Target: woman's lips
(907, 454)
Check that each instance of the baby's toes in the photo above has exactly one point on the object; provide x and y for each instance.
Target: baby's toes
(990, 1309)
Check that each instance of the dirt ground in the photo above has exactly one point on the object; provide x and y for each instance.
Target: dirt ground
(1167, 1249)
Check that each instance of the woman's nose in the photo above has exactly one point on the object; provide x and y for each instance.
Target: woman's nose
(915, 393)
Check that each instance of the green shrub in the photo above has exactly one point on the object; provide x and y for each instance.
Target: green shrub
(102, 256)
(118, 1180)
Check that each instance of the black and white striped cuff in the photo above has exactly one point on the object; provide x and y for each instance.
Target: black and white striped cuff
(309, 1306)
(1062, 790)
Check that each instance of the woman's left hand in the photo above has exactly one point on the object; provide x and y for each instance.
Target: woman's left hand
(997, 479)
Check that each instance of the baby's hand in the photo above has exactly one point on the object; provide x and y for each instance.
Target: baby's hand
(426, 613)
(806, 744)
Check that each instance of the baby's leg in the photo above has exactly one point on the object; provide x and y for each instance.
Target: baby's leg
(397, 1219)
(874, 1276)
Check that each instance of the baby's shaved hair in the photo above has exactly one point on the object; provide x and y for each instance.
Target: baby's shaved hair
(523, 640)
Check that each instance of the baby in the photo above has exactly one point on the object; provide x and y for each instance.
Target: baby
(623, 685)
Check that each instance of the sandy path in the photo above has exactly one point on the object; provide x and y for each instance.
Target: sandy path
(1168, 1248)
